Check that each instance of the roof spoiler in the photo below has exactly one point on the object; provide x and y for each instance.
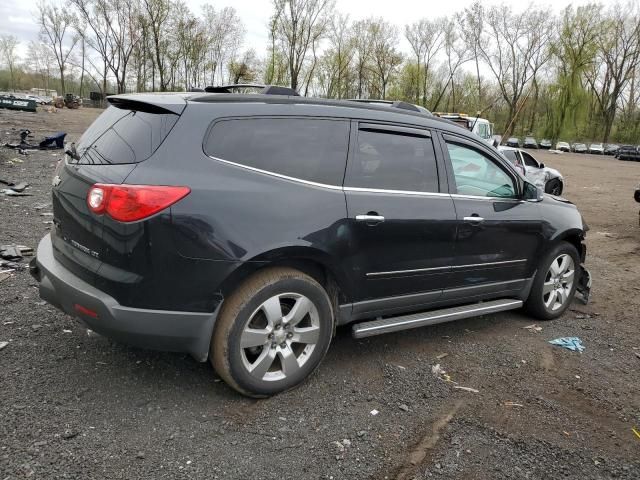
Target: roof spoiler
(262, 89)
(157, 104)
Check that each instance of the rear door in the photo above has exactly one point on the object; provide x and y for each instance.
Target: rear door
(499, 235)
(401, 225)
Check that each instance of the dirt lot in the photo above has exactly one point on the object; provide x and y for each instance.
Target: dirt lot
(79, 406)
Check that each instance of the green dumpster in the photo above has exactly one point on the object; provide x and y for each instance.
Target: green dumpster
(14, 103)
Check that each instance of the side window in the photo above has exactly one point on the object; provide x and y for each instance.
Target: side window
(482, 130)
(308, 149)
(393, 160)
(529, 161)
(476, 174)
(514, 158)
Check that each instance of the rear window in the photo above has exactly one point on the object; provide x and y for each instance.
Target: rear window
(303, 148)
(123, 136)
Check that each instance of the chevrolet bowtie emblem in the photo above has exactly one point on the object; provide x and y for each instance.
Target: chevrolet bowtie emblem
(56, 181)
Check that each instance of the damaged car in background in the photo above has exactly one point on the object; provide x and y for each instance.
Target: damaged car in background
(548, 179)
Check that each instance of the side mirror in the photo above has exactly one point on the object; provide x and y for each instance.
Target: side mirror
(542, 165)
(532, 193)
(496, 143)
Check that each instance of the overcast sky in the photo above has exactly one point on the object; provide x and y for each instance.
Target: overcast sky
(16, 16)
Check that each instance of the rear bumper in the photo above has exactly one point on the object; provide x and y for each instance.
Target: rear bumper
(175, 331)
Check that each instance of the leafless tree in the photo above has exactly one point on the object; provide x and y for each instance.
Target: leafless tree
(515, 48)
(8, 45)
(336, 61)
(299, 26)
(55, 27)
(40, 61)
(426, 38)
(384, 54)
(619, 54)
(471, 25)
(157, 13)
(226, 32)
(363, 48)
(245, 69)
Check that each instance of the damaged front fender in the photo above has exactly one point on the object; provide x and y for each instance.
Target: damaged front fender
(583, 290)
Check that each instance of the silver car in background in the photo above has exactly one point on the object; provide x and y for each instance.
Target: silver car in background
(548, 179)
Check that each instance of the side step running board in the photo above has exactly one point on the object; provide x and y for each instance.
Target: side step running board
(433, 317)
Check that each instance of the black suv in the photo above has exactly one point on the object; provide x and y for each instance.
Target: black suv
(246, 228)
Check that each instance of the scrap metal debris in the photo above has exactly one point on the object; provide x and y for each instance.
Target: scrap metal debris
(439, 372)
(571, 343)
(533, 328)
(3, 345)
(4, 274)
(466, 389)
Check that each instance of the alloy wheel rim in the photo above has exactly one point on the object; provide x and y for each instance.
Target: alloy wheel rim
(280, 336)
(558, 282)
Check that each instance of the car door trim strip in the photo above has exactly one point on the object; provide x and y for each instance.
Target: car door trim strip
(447, 268)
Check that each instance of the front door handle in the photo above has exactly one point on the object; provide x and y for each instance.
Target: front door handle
(370, 218)
(474, 219)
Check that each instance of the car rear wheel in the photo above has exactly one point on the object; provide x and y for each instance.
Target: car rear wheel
(554, 187)
(272, 332)
(555, 283)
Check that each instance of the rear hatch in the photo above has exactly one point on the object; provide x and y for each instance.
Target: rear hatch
(127, 133)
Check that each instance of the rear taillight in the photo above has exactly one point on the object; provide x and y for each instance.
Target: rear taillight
(129, 203)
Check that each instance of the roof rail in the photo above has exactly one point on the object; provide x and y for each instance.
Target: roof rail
(263, 89)
(405, 106)
(394, 104)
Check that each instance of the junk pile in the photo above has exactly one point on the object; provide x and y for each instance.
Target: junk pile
(52, 142)
(10, 257)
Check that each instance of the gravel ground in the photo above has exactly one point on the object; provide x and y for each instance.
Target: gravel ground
(79, 406)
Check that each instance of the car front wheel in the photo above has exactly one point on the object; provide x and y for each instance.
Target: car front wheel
(272, 332)
(554, 187)
(555, 283)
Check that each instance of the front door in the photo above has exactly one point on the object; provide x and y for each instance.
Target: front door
(401, 226)
(499, 235)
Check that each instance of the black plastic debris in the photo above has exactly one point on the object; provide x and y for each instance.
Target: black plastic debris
(55, 141)
(14, 252)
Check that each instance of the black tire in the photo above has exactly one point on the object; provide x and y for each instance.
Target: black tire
(247, 305)
(536, 303)
(554, 187)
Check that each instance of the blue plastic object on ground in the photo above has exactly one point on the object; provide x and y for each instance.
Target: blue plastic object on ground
(571, 343)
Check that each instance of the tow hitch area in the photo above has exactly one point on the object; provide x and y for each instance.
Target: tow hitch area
(584, 286)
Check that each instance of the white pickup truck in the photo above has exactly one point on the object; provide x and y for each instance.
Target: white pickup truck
(480, 126)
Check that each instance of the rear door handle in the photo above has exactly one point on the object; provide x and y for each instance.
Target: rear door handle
(474, 219)
(370, 218)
